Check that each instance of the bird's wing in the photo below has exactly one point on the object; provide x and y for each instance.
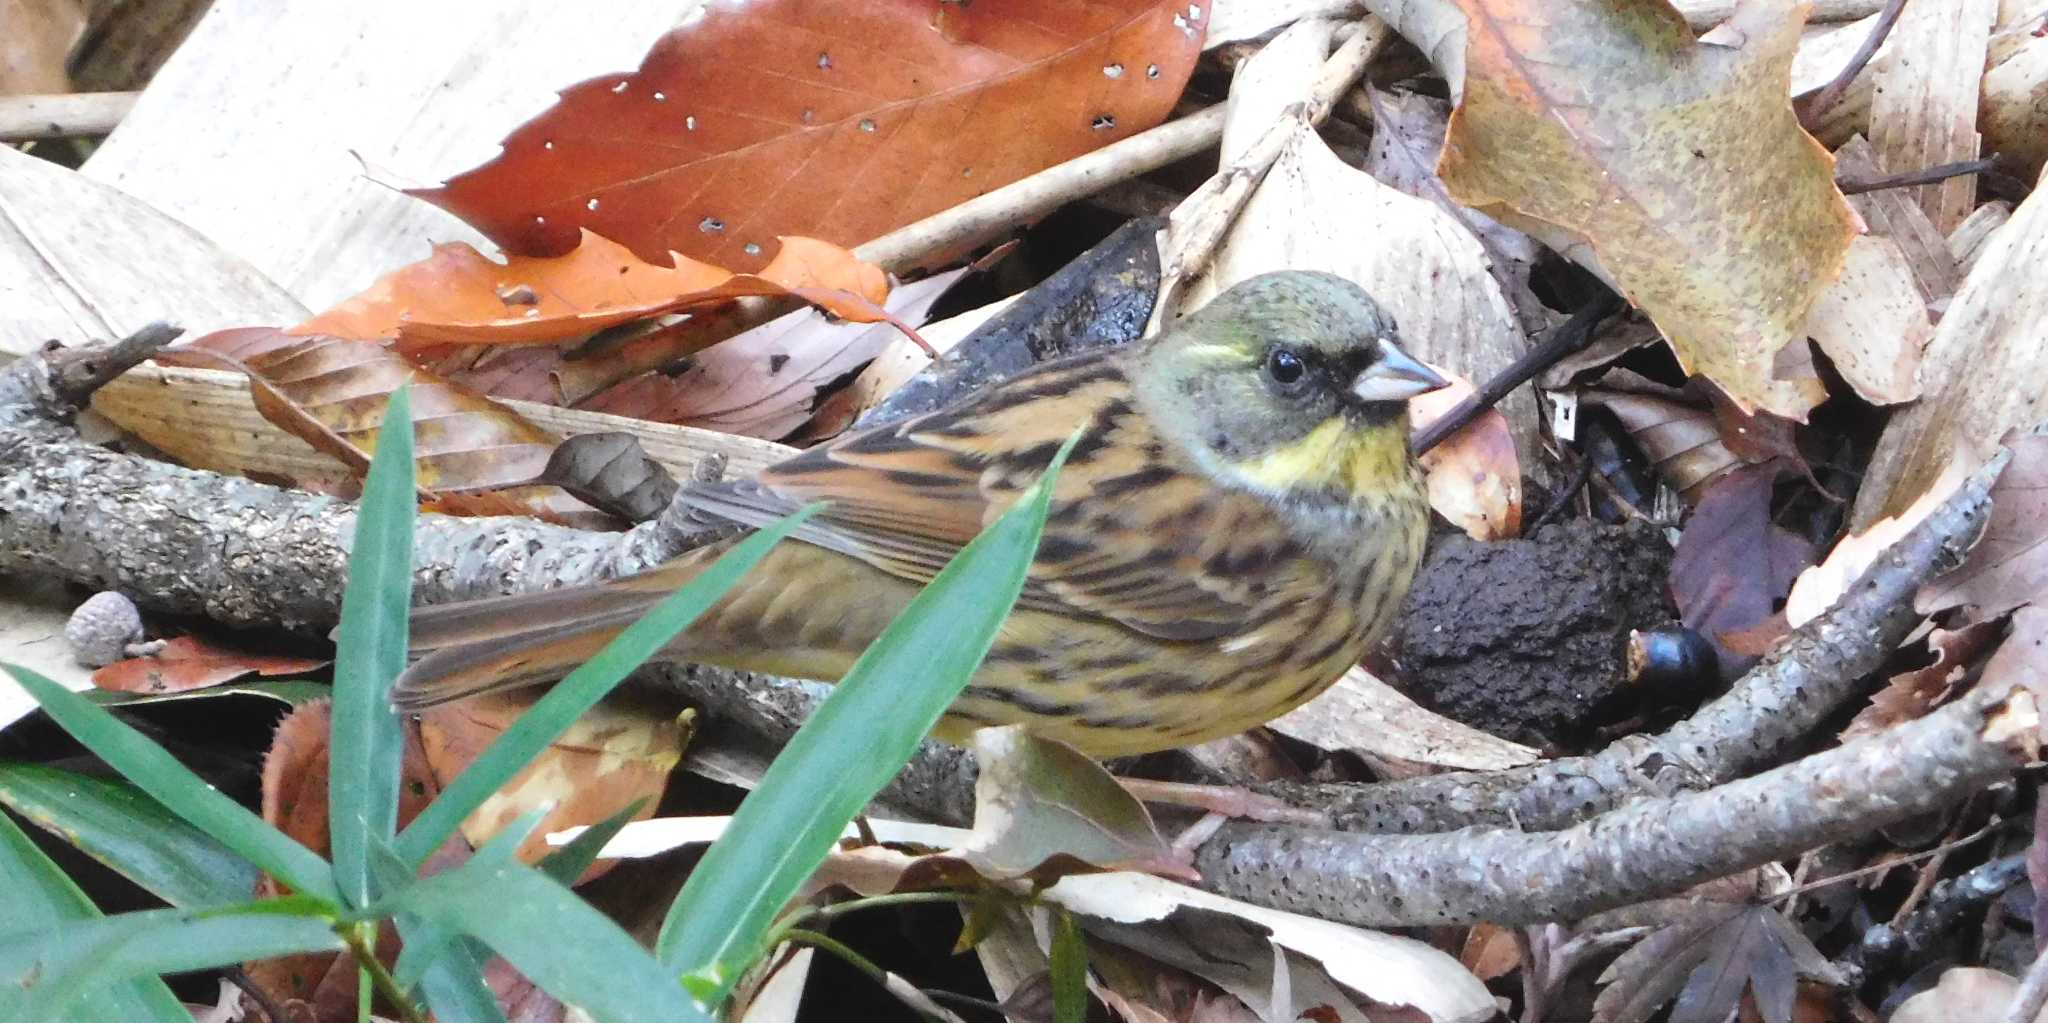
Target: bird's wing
(1134, 535)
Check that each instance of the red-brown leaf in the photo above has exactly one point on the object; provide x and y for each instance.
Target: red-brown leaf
(1733, 565)
(838, 120)
(189, 662)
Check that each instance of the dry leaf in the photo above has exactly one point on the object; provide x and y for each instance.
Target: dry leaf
(459, 296)
(37, 45)
(2012, 113)
(767, 381)
(1872, 322)
(1910, 695)
(1679, 166)
(331, 393)
(1733, 565)
(189, 662)
(613, 472)
(1691, 440)
(1986, 368)
(1923, 111)
(1963, 993)
(1490, 951)
(2008, 566)
(613, 755)
(835, 120)
(1360, 712)
(1891, 213)
(1474, 478)
(1418, 261)
(1819, 587)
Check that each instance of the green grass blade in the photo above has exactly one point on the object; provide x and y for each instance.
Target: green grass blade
(60, 967)
(433, 959)
(858, 739)
(366, 744)
(40, 897)
(116, 824)
(171, 783)
(1069, 970)
(569, 862)
(562, 944)
(568, 699)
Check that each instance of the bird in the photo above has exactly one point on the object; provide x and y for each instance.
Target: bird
(1238, 522)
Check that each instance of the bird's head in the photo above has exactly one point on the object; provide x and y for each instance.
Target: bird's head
(1288, 383)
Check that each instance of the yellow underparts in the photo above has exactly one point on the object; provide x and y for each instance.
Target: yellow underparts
(1368, 460)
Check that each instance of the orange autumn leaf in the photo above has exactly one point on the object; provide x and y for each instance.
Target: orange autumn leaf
(460, 296)
(838, 119)
(1474, 477)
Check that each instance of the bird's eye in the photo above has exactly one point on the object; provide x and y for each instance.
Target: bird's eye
(1285, 366)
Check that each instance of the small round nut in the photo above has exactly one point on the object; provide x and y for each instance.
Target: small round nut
(102, 628)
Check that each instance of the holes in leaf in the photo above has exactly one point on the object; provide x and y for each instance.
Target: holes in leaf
(1112, 70)
(711, 225)
(1103, 122)
(867, 125)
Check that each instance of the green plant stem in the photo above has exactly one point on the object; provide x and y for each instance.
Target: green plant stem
(381, 979)
(826, 914)
(827, 943)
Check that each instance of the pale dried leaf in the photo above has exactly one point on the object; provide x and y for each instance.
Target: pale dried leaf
(1128, 909)
(37, 44)
(1873, 323)
(1892, 213)
(2008, 566)
(80, 262)
(1986, 368)
(778, 997)
(1473, 477)
(1966, 242)
(1280, 75)
(32, 635)
(1963, 993)
(1360, 712)
(1418, 261)
(1823, 52)
(1924, 112)
(1233, 21)
(2013, 110)
(1436, 27)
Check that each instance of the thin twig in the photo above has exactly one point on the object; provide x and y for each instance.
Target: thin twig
(77, 372)
(380, 978)
(1923, 176)
(1568, 337)
(1832, 93)
(272, 1012)
(72, 115)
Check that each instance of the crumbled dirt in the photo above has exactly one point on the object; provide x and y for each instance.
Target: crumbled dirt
(1525, 638)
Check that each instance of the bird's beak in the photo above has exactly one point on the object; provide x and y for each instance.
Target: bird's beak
(1395, 376)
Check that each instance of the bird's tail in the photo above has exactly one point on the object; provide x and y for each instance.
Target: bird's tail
(481, 646)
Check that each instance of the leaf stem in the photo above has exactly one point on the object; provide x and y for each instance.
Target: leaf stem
(362, 948)
(881, 977)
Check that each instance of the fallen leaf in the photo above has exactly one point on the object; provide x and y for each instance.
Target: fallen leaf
(1678, 165)
(1473, 476)
(1923, 107)
(836, 120)
(1892, 214)
(331, 393)
(37, 46)
(1681, 435)
(1043, 810)
(767, 381)
(1872, 322)
(1819, 587)
(460, 296)
(189, 662)
(1908, 696)
(611, 471)
(1421, 264)
(1407, 141)
(1733, 565)
(614, 755)
(1963, 992)
(1359, 712)
(2010, 113)
(1490, 951)
(1707, 963)
(2008, 566)
(1985, 372)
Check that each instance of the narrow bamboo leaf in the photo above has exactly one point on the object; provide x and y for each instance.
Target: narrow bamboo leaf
(569, 862)
(856, 741)
(568, 699)
(55, 968)
(158, 773)
(417, 957)
(40, 897)
(433, 959)
(1069, 970)
(562, 944)
(362, 786)
(116, 824)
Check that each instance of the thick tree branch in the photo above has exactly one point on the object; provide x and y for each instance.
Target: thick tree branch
(1651, 848)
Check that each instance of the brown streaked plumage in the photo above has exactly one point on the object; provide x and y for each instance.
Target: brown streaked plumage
(1238, 522)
